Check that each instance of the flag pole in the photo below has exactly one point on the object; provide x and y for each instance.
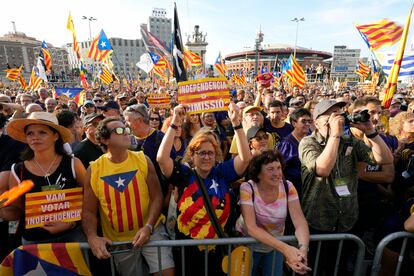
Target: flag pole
(392, 79)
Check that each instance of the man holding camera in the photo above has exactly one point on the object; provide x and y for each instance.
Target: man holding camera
(329, 168)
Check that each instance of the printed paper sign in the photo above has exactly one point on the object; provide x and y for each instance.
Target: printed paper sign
(159, 100)
(205, 95)
(57, 205)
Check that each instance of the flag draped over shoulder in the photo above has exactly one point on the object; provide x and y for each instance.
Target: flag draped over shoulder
(100, 49)
(180, 72)
(381, 33)
(220, 66)
(362, 69)
(45, 54)
(35, 81)
(294, 72)
(62, 259)
(392, 79)
(71, 27)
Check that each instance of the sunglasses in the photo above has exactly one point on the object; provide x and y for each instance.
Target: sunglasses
(154, 119)
(121, 130)
(89, 105)
(98, 101)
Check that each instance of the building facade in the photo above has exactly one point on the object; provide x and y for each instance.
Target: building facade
(160, 26)
(18, 49)
(271, 55)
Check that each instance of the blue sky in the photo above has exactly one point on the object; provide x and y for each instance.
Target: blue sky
(230, 25)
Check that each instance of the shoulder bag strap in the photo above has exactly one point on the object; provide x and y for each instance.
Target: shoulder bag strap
(209, 207)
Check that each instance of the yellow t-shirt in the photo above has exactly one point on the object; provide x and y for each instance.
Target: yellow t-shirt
(123, 195)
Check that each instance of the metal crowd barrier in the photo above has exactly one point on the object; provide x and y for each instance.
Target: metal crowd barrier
(376, 264)
(229, 242)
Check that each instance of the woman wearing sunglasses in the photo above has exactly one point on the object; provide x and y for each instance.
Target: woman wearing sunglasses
(155, 120)
(203, 157)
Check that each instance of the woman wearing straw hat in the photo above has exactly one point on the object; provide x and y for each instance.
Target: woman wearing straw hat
(48, 165)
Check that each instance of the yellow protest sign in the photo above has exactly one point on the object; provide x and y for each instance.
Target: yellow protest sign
(158, 100)
(204, 95)
(57, 205)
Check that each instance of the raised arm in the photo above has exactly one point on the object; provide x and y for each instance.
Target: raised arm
(163, 155)
(241, 161)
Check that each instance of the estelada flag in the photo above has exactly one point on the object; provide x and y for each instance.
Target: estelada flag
(61, 259)
(72, 93)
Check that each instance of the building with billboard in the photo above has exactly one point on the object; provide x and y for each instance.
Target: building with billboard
(344, 63)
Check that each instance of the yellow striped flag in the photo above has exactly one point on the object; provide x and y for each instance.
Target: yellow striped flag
(191, 59)
(381, 33)
(220, 66)
(101, 48)
(362, 69)
(22, 82)
(295, 73)
(45, 259)
(13, 73)
(71, 27)
(391, 85)
(105, 76)
(35, 81)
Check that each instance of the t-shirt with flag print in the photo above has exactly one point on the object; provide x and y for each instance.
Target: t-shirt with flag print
(123, 195)
(192, 218)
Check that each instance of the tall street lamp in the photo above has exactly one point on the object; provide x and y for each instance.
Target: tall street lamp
(297, 29)
(90, 18)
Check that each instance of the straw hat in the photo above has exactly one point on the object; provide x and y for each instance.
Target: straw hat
(15, 128)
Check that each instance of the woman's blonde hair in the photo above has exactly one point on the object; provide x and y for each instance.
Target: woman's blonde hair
(396, 123)
(204, 135)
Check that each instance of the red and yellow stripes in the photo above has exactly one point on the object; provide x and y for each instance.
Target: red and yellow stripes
(391, 85)
(191, 59)
(381, 33)
(296, 73)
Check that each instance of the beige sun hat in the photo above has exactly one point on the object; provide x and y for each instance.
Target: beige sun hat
(15, 128)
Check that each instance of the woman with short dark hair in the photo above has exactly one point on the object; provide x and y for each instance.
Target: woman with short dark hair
(265, 201)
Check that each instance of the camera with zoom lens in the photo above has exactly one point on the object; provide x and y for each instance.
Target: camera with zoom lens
(357, 117)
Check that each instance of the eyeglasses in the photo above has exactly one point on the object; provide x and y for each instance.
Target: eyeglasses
(204, 154)
(154, 119)
(261, 137)
(121, 130)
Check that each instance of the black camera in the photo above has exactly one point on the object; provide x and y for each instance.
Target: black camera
(357, 117)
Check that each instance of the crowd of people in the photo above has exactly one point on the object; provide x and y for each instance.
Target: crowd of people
(280, 161)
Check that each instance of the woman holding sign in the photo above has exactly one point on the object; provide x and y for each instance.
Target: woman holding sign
(203, 174)
(47, 212)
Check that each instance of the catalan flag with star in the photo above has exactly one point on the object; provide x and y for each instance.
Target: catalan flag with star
(220, 66)
(123, 195)
(379, 34)
(63, 259)
(100, 49)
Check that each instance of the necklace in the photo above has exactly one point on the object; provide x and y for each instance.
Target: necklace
(47, 172)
